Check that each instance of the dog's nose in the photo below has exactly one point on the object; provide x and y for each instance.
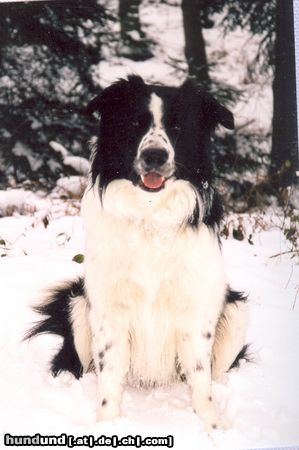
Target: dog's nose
(154, 157)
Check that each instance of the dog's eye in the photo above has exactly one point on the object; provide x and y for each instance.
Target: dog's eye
(174, 125)
(176, 128)
(142, 120)
(136, 123)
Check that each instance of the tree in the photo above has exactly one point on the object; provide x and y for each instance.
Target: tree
(284, 153)
(134, 44)
(273, 20)
(194, 42)
(47, 51)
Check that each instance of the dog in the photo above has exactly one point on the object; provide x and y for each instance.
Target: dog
(154, 305)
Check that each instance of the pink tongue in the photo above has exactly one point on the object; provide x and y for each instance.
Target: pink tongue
(152, 180)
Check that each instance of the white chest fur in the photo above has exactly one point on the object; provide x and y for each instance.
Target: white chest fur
(145, 267)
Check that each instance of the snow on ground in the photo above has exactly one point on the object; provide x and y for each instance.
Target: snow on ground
(260, 398)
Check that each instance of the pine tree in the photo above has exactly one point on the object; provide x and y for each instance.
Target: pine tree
(273, 19)
(48, 51)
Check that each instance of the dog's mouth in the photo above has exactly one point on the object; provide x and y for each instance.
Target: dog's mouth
(152, 181)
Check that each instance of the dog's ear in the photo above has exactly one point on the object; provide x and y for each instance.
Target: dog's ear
(214, 112)
(95, 104)
(116, 94)
(217, 112)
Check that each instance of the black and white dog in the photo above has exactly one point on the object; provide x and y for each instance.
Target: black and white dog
(154, 305)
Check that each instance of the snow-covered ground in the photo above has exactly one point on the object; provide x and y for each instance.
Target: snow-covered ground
(37, 247)
(260, 399)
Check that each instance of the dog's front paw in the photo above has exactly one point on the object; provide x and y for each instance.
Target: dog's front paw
(210, 417)
(107, 410)
(216, 423)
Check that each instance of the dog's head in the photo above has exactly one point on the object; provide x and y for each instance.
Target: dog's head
(149, 133)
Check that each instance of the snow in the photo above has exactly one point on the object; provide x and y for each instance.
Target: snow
(40, 234)
(260, 399)
(162, 25)
(78, 163)
(81, 165)
(20, 200)
(21, 149)
(73, 185)
(59, 148)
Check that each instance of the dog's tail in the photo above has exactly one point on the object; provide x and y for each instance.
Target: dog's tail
(66, 311)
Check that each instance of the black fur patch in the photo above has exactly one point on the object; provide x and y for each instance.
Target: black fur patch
(214, 215)
(182, 376)
(235, 296)
(243, 354)
(193, 220)
(199, 366)
(57, 321)
(207, 335)
(124, 120)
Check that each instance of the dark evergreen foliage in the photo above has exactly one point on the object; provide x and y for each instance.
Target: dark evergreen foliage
(273, 20)
(48, 51)
(259, 17)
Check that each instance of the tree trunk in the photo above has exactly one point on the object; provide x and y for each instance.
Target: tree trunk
(284, 154)
(129, 17)
(134, 44)
(194, 42)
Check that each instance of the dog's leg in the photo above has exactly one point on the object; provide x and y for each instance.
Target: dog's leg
(194, 354)
(110, 348)
(81, 330)
(230, 337)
